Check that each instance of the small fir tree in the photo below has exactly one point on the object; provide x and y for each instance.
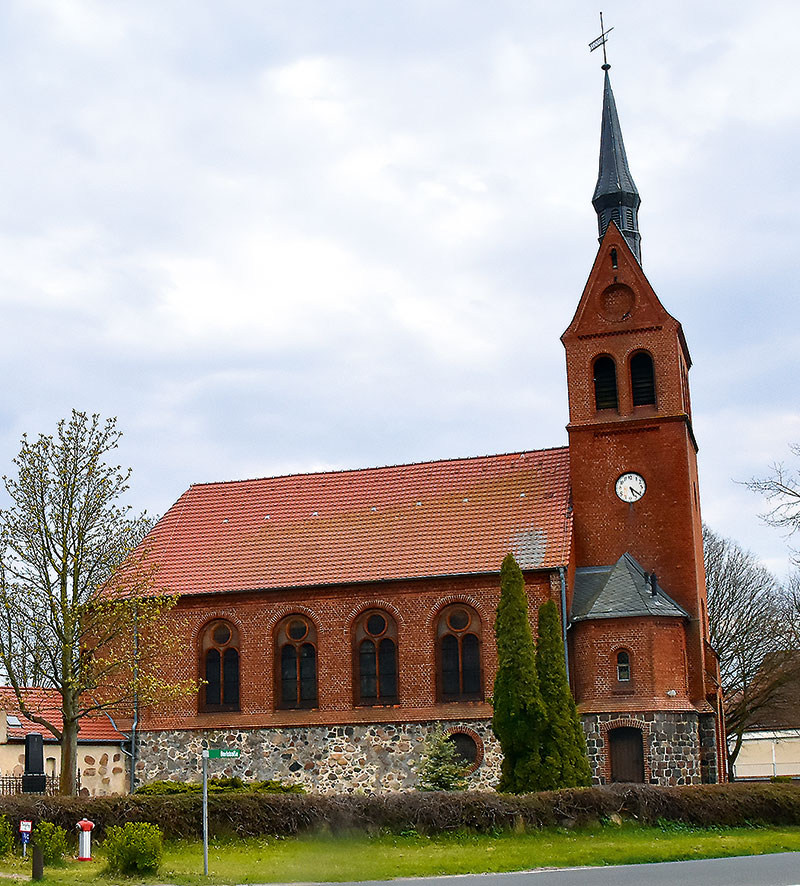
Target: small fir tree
(563, 748)
(518, 711)
(441, 766)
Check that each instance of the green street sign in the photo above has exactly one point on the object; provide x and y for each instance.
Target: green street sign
(215, 753)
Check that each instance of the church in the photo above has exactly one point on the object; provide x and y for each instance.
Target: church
(333, 619)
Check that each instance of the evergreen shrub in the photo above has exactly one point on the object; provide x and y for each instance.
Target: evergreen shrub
(52, 840)
(6, 836)
(135, 848)
(441, 768)
(217, 785)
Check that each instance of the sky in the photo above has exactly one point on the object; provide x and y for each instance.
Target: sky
(276, 237)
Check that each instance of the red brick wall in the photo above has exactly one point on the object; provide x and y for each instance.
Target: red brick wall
(414, 605)
(619, 314)
(657, 650)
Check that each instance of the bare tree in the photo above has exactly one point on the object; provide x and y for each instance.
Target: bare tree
(753, 625)
(782, 491)
(78, 609)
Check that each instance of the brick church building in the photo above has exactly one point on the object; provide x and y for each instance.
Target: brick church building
(333, 618)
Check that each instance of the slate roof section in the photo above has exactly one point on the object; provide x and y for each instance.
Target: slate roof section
(440, 518)
(619, 591)
(47, 702)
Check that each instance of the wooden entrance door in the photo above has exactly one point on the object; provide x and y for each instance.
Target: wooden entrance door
(627, 754)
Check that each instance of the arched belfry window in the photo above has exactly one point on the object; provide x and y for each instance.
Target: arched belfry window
(623, 666)
(458, 646)
(375, 658)
(219, 670)
(643, 380)
(296, 663)
(605, 383)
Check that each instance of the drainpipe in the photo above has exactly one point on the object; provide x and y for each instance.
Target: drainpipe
(563, 576)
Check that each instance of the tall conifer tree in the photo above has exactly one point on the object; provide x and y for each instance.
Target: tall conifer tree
(518, 711)
(563, 745)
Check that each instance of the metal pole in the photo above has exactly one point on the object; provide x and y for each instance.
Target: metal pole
(205, 811)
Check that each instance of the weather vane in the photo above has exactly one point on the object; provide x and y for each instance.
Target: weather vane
(601, 41)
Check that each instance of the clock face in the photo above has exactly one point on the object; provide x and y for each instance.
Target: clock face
(630, 487)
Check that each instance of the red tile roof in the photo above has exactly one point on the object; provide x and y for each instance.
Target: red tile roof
(47, 703)
(439, 518)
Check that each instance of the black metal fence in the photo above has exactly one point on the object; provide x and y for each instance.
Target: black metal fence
(12, 784)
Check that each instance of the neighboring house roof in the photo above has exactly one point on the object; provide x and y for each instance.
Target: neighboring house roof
(783, 709)
(619, 591)
(47, 703)
(454, 517)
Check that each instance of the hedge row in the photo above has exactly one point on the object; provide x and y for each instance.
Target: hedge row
(275, 814)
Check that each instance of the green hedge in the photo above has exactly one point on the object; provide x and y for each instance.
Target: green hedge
(253, 814)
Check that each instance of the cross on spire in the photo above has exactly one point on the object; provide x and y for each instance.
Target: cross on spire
(601, 41)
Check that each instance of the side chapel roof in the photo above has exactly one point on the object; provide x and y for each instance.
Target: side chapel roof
(619, 591)
(454, 517)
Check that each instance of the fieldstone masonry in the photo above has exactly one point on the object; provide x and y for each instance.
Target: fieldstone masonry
(671, 743)
(326, 759)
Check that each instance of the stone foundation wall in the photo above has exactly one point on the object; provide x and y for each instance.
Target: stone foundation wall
(325, 759)
(672, 745)
(709, 759)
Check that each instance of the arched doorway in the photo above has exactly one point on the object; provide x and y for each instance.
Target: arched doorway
(627, 754)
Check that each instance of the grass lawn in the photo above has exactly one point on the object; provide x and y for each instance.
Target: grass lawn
(375, 858)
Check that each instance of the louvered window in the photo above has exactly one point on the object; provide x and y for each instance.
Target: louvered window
(643, 383)
(605, 383)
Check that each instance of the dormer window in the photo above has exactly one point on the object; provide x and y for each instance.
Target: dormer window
(605, 383)
(643, 382)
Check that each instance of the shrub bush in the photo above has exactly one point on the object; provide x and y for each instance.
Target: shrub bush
(134, 848)
(52, 840)
(6, 836)
(217, 785)
(255, 814)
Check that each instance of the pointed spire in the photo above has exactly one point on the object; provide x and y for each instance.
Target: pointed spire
(615, 197)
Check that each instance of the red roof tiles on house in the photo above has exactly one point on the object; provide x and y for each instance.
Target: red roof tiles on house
(455, 517)
(47, 703)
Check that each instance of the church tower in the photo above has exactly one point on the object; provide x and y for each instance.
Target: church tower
(645, 678)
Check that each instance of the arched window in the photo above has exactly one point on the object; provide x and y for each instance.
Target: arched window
(296, 663)
(605, 383)
(623, 666)
(375, 658)
(459, 654)
(220, 667)
(643, 381)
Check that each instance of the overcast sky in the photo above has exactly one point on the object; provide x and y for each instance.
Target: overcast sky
(285, 236)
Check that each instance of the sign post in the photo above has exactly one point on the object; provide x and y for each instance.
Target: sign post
(25, 828)
(212, 754)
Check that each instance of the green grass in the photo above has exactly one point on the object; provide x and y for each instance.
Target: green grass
(363, 858)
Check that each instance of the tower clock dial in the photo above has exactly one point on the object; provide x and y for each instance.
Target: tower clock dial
(630, 487)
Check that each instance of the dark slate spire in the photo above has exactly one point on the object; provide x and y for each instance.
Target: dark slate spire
(615, 197)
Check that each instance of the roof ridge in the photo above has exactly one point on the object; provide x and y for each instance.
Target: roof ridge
(411, 464)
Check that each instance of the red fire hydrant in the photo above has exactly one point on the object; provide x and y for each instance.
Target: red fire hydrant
(85, 827)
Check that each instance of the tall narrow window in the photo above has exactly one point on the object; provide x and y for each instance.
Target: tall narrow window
(623, 666)
(375, 658)
(605, 383)
(459, 654)
(220, 667)
(296, 663)
(643, 382)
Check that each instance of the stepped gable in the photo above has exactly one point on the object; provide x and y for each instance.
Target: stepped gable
(454, 517)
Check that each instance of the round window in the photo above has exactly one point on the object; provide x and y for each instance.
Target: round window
(466, 747)
(297, 629)
(458, 619)
(222, 633)
(376, 624)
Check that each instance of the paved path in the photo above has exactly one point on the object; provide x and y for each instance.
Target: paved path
(782, 869)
